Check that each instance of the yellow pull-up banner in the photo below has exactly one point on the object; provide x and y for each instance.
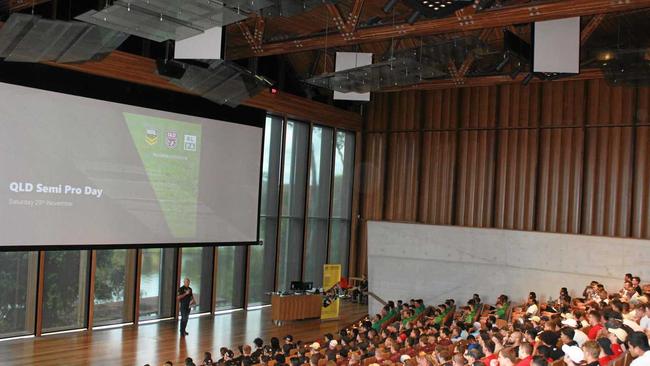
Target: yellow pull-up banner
(331, 279)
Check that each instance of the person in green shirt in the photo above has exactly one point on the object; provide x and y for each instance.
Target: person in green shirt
(502, 306)
(389, 315)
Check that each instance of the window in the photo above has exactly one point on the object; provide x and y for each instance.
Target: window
(114, 286)
(320, 176)
(308, 169)
(294, 181)
(230, 282)
(261, 277)
(157, 283)
(342, 200)
(65, 290)
(18, 288)
(197, 265)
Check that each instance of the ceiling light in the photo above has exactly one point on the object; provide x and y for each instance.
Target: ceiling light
(605, 55)
(436, 9)
(504, 62)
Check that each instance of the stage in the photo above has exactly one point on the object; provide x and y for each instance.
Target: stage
(158, 342)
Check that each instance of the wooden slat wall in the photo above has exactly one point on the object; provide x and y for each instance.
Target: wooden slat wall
(476, 163)
(517, 157)
(564, 156)
(559, 192)
(641, 182)
(403, 159)
(641, 196)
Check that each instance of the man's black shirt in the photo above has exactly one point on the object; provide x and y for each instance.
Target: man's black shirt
(185, 302)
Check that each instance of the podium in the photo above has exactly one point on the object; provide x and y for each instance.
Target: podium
(295, 307)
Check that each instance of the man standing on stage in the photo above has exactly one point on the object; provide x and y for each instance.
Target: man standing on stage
(186, 298)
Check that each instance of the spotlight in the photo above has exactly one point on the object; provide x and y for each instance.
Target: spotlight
(502, 64)
(413, 17)
(483, 4)
(389, 5)
(605, 56)
(374, 20)
(527, 79)
(515, 71)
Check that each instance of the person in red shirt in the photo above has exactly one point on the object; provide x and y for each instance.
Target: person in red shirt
(488, 350)
(525, 354)
(615, 341)
(395, 353)
(606, 353)
(594, 320)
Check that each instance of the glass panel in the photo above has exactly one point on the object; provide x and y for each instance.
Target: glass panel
(262, 264)
(157, 283)
(271, 167)
(293, 203)
(230, 277)
(261, 276)
(65, 288)
(18, 273)
(340, 237)
(114, 286)
(342, 199)
(197, 266)
(320, 176)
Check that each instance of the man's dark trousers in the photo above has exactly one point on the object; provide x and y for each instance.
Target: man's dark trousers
(185, 313)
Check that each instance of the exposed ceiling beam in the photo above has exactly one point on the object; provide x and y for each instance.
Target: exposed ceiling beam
(346, 26)
(587, 74)
(459, 75)
(590, 28)
(500, 17)
(254, 39)
(142, 70)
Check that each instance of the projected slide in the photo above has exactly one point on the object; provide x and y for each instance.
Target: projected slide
(78, 171)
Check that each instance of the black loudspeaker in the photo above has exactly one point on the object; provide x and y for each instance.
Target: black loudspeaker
(170, 68)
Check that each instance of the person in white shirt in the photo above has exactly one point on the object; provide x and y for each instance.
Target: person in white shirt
(633, 320)
(578, 336)
(639, 348)
(531, 305)
(644, 323)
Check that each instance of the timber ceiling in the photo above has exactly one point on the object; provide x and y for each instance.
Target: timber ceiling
(307, 42)
(602, 24)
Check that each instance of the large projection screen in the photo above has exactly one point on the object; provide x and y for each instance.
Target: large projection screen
(80, 171)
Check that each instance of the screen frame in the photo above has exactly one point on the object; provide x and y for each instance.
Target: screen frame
(59, 80)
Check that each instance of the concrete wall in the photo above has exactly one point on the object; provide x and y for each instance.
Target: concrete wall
(439, 262)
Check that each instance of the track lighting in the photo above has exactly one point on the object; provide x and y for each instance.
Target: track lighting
(413, 17)
(389, 5)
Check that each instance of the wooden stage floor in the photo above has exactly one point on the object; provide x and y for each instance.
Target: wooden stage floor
(158, 342)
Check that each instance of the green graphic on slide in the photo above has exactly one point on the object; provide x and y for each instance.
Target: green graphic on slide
(170, 152)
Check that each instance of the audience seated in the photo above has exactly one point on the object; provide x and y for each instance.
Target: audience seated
(598, 329)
